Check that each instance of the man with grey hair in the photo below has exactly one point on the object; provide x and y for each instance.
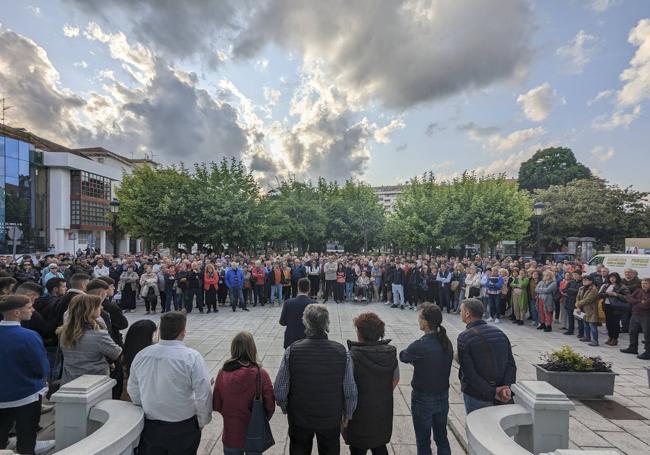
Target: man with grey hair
(235, 284)
(315, 386)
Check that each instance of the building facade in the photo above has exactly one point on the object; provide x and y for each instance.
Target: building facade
(388, 195)
(54, 198)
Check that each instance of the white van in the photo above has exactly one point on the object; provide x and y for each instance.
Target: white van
(620, 262)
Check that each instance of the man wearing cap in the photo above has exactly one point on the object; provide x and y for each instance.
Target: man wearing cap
(24, 366)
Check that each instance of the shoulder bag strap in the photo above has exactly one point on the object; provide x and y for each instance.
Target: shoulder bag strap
(488, 351)
(258, 385)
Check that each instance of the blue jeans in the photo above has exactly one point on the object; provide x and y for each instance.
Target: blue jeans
(398, 294)
(237, 296)
(593, 328)
(172, 297)
(348, 290)
(429, 412)
(532, 306)
(472, 404)
(493, 305)
(276, 289)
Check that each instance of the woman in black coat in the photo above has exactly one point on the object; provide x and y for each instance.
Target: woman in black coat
(615, 295)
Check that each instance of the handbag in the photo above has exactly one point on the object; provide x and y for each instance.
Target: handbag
(454, 285)
(258, 434)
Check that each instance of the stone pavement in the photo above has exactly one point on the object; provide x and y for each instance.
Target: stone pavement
(211, 335)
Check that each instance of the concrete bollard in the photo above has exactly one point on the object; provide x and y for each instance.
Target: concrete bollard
(550, 411)
(73, 403)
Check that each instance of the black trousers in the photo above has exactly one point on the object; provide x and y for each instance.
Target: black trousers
(314, 282)
(381, 450)
(26, 419)
(612, 321)
(640, 324)
(330, 289)
(170, 438)
(301, 441)
(211, 298)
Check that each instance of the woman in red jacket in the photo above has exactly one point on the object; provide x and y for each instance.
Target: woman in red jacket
(210, 286)
(234, 390)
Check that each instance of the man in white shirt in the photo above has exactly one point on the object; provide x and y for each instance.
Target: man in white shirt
(170, 382)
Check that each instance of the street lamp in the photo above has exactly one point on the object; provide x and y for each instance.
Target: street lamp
(538, 210)
(115, 207)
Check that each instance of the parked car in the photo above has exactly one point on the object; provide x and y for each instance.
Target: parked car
(620, 262)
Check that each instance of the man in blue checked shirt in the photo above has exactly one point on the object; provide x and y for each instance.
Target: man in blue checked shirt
(320, 376)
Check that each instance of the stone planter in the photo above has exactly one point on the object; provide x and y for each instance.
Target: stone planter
(579, 385)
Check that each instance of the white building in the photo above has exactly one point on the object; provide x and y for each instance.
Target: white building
(59, 198)
(388, 195)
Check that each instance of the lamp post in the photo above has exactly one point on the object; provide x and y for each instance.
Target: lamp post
(115, 207)
(538, 210)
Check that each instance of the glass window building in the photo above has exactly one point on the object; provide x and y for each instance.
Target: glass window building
(23, 201)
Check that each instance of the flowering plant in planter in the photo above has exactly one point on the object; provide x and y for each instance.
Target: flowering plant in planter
(568, 360)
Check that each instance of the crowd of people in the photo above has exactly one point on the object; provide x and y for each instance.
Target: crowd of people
(63, 317)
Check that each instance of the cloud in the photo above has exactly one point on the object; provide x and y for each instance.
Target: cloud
(538, 102)
(138, 60)
(402, 147)
(81, 64)
(354, 40)
(577, 53)
(444, 165)
(433, 127)
(515, 139)
(603, 94)
(30, 80)
(636, 83)
(382, 135)
(510, 164)
(636, 77)
(70, 31)
(35, 10)
(600, 6)
(476, 133)
(602, 153)
(616, 119)
(174, 29)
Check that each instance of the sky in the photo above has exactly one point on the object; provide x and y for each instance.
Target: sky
(377, 90)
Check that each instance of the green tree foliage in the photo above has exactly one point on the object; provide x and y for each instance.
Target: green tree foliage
(469, 209)
(357, 217)
(551, 166)
(592, 208)
(294, 213)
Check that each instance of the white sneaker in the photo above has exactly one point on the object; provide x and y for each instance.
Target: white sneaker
(43, 447)
(496, 321)
(488, 320)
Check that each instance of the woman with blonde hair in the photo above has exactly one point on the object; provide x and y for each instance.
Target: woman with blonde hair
(235, 388)
(85, 343)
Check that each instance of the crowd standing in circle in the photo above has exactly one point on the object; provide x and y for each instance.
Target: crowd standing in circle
(66, 315)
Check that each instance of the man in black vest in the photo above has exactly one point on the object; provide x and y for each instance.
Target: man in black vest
(292, 311)
(315, 387)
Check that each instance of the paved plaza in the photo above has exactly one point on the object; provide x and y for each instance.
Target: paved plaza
(210, 334)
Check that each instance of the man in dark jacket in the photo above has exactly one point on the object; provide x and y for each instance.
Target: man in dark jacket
(292, 311)
(376, 374)
(632, 282)
(640, 322)
(487, 367)
(316, 374)
(298, 271)
(570, 294)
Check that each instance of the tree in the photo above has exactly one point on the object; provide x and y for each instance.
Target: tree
(592, 208)
(154, 205)
(227, 206)
(551, 166)
(470, 209)
(360, 216)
